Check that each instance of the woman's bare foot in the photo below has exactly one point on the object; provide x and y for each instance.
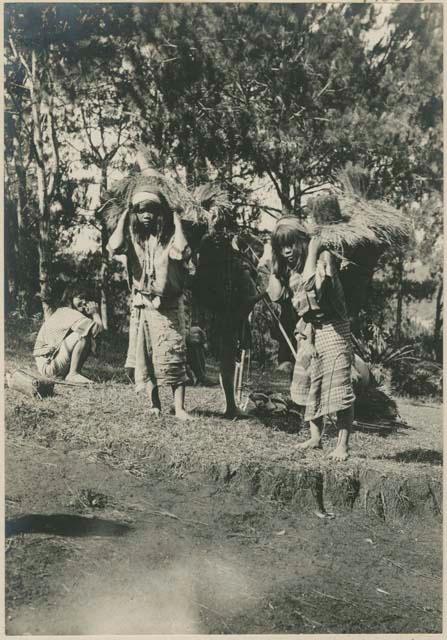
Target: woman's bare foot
(339, 453)
(309, 444)
(77, 378)
(181, 414)
(155, 411)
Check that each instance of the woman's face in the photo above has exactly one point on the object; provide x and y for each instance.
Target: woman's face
(290, 254)
(147, 214)
(80, 303)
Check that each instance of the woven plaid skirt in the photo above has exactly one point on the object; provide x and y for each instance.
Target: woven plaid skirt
(322, 382)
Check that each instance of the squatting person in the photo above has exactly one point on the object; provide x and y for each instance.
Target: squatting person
(66, 338)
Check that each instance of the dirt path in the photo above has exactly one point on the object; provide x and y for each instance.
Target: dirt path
(101, 551)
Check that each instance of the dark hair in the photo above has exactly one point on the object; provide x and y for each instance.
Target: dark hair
(289, 232)
(78, 290)
(165, 223)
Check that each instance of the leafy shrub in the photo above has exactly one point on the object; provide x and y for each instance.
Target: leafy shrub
(422, 378)
(402, 369)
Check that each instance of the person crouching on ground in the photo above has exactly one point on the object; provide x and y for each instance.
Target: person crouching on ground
(66, 338)
(151, 235)
(322, 374)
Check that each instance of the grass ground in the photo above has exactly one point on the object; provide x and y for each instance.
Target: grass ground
(113, 423)
(113, 528)
(94, 550)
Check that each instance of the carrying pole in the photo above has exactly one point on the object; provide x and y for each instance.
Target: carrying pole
(240, 377)
(281, 328)
(272, 311)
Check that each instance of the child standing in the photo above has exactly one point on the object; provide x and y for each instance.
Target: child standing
(150, 234)
(307, 273)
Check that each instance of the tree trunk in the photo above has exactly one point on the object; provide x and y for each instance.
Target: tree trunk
(42, 190)
(20, 289)
(44, 255)
(44, 241)
(104, 274)
(286, 205)
(438, 323)
(25, 291)
(297, 198)
(11, 256)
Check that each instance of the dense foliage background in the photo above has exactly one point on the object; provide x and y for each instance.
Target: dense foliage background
(269, 100)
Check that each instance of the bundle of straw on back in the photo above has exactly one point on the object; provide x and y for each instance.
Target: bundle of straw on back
(211, 195)
(346, 220)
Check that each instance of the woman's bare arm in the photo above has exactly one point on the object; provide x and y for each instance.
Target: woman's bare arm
(179, 245)
(117, 239)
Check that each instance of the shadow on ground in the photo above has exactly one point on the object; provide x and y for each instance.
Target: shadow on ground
(62, 524)
(426, 456)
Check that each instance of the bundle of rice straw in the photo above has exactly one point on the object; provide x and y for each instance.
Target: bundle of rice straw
(211, 195)
(346, 219)
(179, 198)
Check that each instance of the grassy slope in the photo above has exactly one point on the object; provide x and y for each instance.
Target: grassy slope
(111, 422)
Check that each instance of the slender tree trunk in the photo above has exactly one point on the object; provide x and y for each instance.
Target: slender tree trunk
(42, 191)
(20, 290)
(104, 274)
(44, 250)
(11, 256)
(10, 250)
(44, 242)
(297, 198)
(285, 195)
(438, 323)
(24, 292)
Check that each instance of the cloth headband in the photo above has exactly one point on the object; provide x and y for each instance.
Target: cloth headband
(145, 196)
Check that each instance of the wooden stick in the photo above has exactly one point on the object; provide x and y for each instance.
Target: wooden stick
(281, 328)
(270, 308)
(240, 378)
(236, 376)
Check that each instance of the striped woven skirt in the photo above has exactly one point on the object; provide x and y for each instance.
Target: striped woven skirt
(322, 382)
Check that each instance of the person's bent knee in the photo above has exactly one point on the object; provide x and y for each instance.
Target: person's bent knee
(84, 341)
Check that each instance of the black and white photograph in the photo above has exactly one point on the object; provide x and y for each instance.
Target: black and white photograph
(223, 318)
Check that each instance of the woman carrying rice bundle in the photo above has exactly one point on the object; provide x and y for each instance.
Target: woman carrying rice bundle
(150, 234)
(303, 270)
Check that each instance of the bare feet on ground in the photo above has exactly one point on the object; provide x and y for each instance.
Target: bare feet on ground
(183, 415)
(339, 453)
(77, 378)
(309, 444)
